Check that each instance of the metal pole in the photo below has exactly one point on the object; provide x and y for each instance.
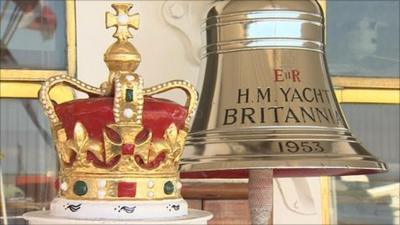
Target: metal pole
(2, 196)
(261, 196)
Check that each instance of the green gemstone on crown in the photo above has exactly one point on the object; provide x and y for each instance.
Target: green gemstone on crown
(168, 188)
(129, 95)
(80, 188)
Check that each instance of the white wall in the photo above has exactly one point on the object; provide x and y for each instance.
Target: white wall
(169, 41)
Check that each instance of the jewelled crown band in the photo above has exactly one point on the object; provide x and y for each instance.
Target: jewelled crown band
(121, 143)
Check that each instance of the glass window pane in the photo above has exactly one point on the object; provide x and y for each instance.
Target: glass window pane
(363, 38)
(372, 199)
(29, 162)
(33, 34)
(377, 127)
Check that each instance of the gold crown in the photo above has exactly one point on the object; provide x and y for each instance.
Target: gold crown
(128, 162)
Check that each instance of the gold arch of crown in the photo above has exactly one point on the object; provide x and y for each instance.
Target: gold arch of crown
(128, 123)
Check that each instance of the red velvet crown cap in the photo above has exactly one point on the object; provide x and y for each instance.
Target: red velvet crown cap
(96, 113)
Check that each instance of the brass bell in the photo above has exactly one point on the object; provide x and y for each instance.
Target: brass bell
(267, 101)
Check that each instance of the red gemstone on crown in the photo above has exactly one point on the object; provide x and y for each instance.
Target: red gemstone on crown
(126, 189)
(128, 149)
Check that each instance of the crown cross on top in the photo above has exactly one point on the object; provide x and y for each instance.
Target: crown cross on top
(122, 21)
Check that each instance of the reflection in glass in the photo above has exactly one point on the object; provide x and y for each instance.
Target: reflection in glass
(372, 199)
(363, 38)
(32, 34)
(28, 158)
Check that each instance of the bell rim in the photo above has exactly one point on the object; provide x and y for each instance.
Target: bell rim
(303, 168)
(340, 157)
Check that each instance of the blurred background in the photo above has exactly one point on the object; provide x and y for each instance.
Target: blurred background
(42, 38)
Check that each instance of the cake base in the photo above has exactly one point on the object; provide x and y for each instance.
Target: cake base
(197, 217)
(118, 210)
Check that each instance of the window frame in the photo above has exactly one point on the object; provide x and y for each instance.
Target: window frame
(17, 84)
(370, 90)
(25, 83)
(356, 90)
